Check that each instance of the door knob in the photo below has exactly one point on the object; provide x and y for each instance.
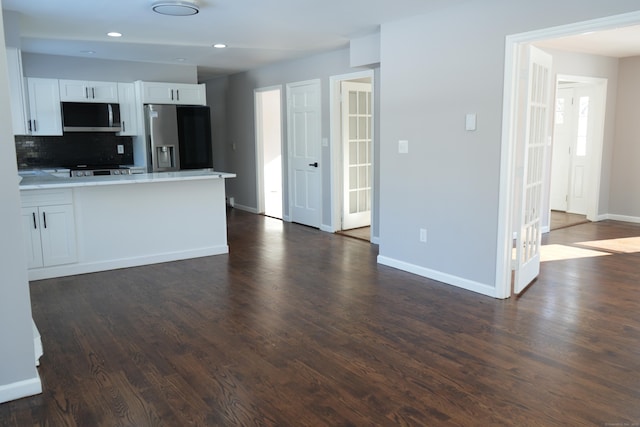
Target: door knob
(314, 164)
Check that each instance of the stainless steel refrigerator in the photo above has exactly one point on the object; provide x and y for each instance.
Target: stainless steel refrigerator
(178, 137)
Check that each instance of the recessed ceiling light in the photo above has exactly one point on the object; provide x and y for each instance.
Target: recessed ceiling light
(114, 34)
(219, 45)
(180, 59)
(88, 52)
(175, 8)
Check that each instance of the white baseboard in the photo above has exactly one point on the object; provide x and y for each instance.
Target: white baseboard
(327, 228)
(375, 240)
(245, 208)
(439, 276)
(623, 218)
(286, 218)
(20, 389)
(92, 267)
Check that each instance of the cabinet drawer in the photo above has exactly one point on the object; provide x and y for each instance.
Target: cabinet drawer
(31, 198)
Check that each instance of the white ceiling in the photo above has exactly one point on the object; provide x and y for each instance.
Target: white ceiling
(618, 43)
(257, 32)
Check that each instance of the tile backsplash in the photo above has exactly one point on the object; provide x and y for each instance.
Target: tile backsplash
(100, 149)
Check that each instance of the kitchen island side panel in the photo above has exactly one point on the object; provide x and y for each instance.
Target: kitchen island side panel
(129, 225)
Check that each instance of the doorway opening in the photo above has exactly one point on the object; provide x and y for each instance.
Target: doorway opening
(576, 158)
(352, 123)
(268, 113)
(511, 145)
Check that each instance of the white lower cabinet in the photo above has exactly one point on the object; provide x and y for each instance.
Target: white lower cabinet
(49, 227)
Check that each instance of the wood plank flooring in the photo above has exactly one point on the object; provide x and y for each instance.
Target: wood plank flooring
(297, 327)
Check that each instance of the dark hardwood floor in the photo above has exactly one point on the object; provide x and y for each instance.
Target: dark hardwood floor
(297, 327)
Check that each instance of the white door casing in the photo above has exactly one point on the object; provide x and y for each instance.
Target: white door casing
(304, 141)
(357, 146)
(529, 235)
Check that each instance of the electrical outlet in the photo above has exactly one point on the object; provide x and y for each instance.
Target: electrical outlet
(423, 235)
(120, 149)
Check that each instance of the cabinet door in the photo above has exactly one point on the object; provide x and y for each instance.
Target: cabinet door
(58, 235)
(88, 91)
(19, 107)
(188, 94)
(128, 109)
(44, 106)
(73, 90)
(159, 93)
(103, 91)
(31, 231)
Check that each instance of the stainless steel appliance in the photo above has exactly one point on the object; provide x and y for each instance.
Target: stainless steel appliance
(178, 137)
(90, 117)
(89, 170)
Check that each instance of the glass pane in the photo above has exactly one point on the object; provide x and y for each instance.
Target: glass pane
(353, 177)
(362, 127)
(353, 202)
(362, 102)
(353, 103)
(362, 152)
(362, 200)
(362, 177)
(353, 128)
(353, 152)
(369, 103)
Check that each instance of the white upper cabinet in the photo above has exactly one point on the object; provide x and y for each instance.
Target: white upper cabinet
(18, 99)
(88, 91)
(44, 107)
(173, 93)
(128, 109)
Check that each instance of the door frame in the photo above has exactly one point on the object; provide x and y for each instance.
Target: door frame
(508, 171)
(335, 148)
(260, 203)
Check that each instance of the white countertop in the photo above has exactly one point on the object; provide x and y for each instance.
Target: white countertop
(45, 180)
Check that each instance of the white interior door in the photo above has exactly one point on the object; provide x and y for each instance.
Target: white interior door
(304, 139)
(536, 134)
(357, 154)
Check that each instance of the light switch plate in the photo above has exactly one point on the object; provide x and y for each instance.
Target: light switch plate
(470, 121)
(403, 146)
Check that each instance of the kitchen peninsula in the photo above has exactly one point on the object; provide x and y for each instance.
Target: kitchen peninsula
(89, 224)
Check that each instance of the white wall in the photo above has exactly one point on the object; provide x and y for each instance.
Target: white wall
(435, 69)
(624, 198)
(76, 68)
(18, 375)
(241, 122)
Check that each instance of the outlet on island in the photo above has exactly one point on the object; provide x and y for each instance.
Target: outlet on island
(120, 149)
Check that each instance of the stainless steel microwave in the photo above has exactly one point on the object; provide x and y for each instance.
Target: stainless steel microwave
(90, 117)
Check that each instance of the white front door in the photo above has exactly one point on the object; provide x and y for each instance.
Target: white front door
(357, 154)
(304, 139)
(536, 135)
(572, 146)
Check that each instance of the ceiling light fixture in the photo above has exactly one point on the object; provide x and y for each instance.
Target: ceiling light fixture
(114, 34)
(175, 8)
(219, 45)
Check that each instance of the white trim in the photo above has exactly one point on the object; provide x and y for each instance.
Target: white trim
(92, 267)
(375, 240)
(447, 279)
(507, 169)
(20, 389)
(246, 208)
(286, 218)
(623, 218)
(335, 146)
(327, 228)
(544, 229)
